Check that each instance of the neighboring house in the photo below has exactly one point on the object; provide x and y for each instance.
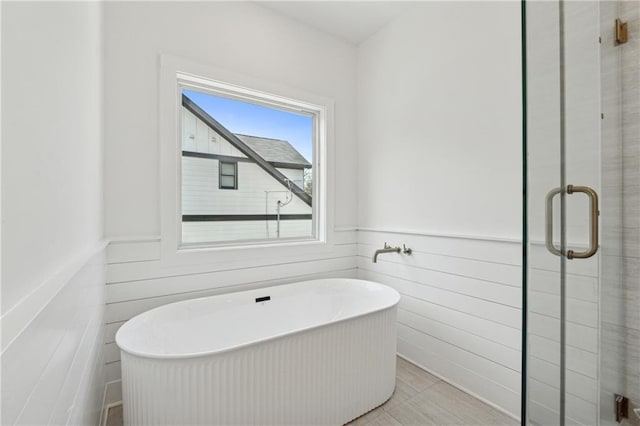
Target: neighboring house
(231, 184)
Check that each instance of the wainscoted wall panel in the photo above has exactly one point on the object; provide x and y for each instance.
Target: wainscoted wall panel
(171, 289)
(145, 283)
(477, 308)
(132, 250)
(150, 270)
(501, 250)
(412, 346)
(459, 315)
(55, 367)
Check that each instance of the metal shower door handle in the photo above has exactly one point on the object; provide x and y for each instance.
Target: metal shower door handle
(548, 236)
(593, 219)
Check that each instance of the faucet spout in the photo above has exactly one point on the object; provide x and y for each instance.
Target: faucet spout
(386, 249)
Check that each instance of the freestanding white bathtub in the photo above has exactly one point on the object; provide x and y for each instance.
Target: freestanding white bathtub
(318, 352)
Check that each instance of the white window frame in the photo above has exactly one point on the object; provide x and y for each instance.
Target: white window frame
(177, 74)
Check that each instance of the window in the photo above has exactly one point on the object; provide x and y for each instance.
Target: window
(228, 176)
(274, 143)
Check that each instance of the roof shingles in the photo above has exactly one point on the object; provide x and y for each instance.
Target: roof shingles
(274, 150)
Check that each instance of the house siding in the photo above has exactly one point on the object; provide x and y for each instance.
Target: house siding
(198, 137)
(257, 191)
(193, 232)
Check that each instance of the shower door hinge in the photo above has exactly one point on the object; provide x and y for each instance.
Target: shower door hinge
(627, 411)
(622, 408)
(622, 33)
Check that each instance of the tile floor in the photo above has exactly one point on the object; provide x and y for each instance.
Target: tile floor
(419, 399)
(422, 399)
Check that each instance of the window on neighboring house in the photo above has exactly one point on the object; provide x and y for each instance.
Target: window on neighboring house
(274, 142)
(228, 176)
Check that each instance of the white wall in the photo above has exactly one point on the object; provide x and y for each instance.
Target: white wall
(52, 217)
(439, 121)
(238, 37)
(52, 155)
(439, 143)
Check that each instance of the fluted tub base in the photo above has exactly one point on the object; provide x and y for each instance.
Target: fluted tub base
(326, 375)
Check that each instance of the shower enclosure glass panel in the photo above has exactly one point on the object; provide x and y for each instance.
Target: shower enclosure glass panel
(582, 190)
(544, 268)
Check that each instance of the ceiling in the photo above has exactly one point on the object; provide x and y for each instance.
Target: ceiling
(353, 21)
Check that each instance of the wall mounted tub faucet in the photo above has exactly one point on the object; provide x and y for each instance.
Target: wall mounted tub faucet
(387, 249)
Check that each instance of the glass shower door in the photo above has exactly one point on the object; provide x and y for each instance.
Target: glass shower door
(580, 213)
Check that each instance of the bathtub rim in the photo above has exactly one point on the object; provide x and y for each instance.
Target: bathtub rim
(255, 342)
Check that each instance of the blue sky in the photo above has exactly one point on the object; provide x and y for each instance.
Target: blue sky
(257, 120)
